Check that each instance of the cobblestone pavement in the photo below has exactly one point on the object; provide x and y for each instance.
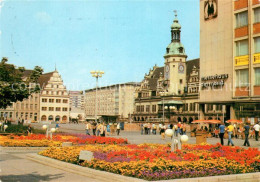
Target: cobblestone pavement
(136, 137)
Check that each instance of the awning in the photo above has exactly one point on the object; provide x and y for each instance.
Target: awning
(170, 102)
(92, 117)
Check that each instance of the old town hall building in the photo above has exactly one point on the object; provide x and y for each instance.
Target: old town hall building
(169, 93)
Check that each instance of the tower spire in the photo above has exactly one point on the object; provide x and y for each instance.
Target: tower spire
(175, 13)
(55, 67)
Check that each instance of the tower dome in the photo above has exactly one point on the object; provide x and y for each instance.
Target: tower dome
(175, 47)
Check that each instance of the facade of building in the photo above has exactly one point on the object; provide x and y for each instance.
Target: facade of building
(113, 102)
(170, 93)
(77, 105)
(54, 98)
(27, 110)
(230, 61)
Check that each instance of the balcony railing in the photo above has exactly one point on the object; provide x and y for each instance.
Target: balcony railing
(257, 58)
(241, 60)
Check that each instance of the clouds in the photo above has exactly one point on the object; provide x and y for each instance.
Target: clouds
(43, 17)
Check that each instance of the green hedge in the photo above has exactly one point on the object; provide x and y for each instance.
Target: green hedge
(22, 129)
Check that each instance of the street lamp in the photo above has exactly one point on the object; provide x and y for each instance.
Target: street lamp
(179, 140)
(48, 130)
(96, 74)
(163, 93)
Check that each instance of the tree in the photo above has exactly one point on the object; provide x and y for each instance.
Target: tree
(14, 86)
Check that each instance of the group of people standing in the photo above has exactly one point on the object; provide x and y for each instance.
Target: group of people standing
(102, 129)
(231, 129)
(148, 128)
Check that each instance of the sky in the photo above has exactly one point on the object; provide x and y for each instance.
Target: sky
(123, 38)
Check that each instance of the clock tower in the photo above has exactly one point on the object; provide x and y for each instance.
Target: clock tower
(175, 61)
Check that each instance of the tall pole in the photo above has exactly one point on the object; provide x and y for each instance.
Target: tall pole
(163, 109)
(96, 100)
(96, 74)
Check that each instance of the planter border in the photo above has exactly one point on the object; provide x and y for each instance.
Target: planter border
(108, 176)
(84, 171)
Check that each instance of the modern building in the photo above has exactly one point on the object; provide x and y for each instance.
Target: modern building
(170, 93)
(54, 98)
(77, 105)
(230, 59)
(114, 102)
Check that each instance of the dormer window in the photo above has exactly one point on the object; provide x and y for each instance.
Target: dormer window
(181, 49)
(167, 50)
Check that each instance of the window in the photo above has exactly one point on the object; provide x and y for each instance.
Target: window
(44, 100)
(64, 109)
(65, 101)
(31, 106)
(180, 81)
(257, 15)
(35, 106)
(147, 108)
(257, 76)
(51, 108)
(57, 108)
(58, 100)
(27, 106)
(241, 48)
(242, 78)
(257, 44)
(154, 108)
(241, 19)
(210, 107)
(44, 108)
(51, 100)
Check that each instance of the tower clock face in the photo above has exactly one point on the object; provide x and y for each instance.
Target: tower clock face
(167, 69)
(181, 68)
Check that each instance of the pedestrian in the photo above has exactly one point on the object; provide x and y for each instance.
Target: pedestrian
(98, 129)
(221, 133)
(57, 126)
(160, 127)
(184, 129)
(246, 131)
(179, 128)
(142, 129)
(94, 128)
(108, 129)
(176, 130)
(154, 129)
(102, 129)
(149, 128)
(29, 130)
(87, 128)
(118, 128)
(256, 128)
(230, 130)
(145, 129)
(163, 131)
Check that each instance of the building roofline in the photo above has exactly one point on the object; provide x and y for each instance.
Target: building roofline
(116, 85)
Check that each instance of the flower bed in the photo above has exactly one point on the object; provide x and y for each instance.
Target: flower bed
(156, 162)
(39, 140)
(7, 141)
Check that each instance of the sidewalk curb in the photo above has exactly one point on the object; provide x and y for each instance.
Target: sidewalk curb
(84, 171)
(111, 177)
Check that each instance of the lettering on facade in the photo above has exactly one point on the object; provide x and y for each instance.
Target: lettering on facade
(213, 81)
